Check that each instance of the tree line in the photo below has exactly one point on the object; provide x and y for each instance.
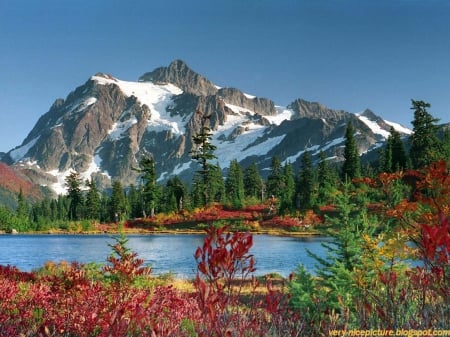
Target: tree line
(292, 189)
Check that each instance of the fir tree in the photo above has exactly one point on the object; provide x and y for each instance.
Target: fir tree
(23, 208)
(324, 180)
(275, 178)
(399, 155)
(216, 187)
(446, 144)
(73, 184)
(175, 194)
(305, 183)
(345, 250)
(92, 200)
(396, 158)
(287, 189)
(425, 146)
(352, 164)
(234, 185)
(203, 152)
(118, 205)
(134, 197)
(253, 183)
(150, 189)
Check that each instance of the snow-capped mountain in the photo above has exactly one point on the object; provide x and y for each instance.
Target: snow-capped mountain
(105, 126)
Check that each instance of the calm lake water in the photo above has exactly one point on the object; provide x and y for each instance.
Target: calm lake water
(164, 252)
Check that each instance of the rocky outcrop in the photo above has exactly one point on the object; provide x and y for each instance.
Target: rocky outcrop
(262, 106)
(179, 74)
(305, 109)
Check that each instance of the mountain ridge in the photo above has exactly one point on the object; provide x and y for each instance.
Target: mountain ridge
(106, 125)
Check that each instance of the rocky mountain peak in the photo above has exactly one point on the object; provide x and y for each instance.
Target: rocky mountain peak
(369, 114)
(103, 128)
(179, 74)
(315, 110)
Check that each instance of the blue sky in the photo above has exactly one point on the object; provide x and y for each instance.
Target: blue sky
(345, 54)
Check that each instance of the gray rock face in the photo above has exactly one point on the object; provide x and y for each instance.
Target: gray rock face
(179, 74)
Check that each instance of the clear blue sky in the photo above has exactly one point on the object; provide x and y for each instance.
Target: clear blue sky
(346, 54)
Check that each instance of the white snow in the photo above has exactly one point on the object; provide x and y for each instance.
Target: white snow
(239, 110)
(156, 97)
(249, 96)
(238, 149)
(282, 115)
(89, 101)
(292, 159)
(120, 127)
(374, 126)
(332, 143)
(18, 153)
(60, 186)
(399, 127)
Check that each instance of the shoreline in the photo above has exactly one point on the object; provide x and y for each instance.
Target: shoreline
(271, 232)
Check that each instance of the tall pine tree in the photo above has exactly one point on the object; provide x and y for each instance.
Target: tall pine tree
(92, 200)
(352, 163)
(305, 183)
(275, 178)
(288, 189)
(394, 155)
(234, 185)
(73, 184)
(203, 152)
(150, 189)
(425, 145)
(253, 183)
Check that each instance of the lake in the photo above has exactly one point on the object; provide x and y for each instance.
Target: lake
(163, 252)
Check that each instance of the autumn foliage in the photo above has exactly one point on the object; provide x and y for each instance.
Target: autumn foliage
(122, 298)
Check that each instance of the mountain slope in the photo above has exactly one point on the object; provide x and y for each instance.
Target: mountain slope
(105, 126)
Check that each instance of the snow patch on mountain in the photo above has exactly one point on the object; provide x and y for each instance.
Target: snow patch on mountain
(282, 115)
(59, 187)
(155, 97)
(376, 129)
(293, 159)
(20, 152)
(120, 127)
(399, 127)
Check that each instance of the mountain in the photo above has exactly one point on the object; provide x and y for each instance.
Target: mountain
(106, 125)
(12, 180)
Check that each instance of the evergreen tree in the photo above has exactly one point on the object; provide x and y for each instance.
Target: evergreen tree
(253, 183)
(217, 185)
(446, 144)
(175, 195)
(23, 208)
(73, 184)
(275, 178)
(92, 200)
(234, 185)
(118, 206)
(324, 179)
(352, 164)
(305, 183)
(134, 197)
(399, 160)
(197, 193)
(203, 152)
(345, 251)
(425, 146)
(150, 189)
(288, 189)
